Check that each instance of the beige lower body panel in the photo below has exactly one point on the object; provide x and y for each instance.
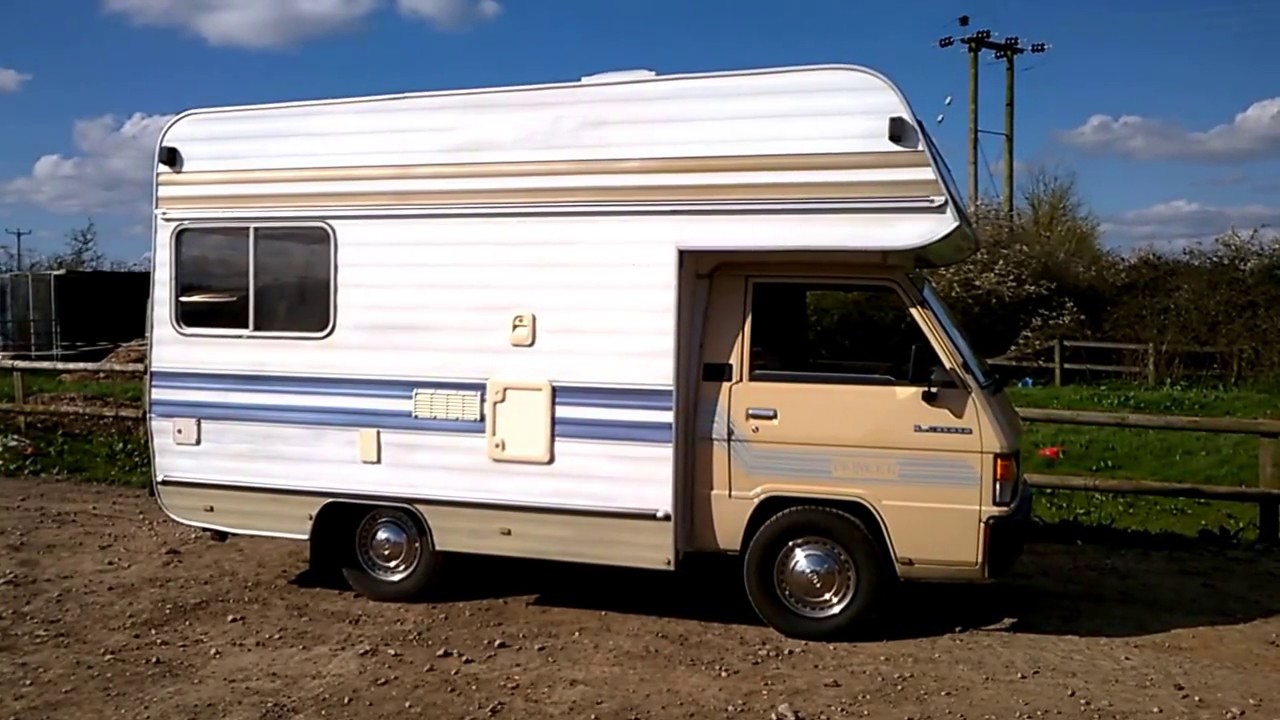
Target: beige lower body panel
(546, 535)
(719, 521)
(942, 574)
(606, 540)
(241, 511)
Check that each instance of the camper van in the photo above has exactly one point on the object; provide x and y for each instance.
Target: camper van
(620, 320)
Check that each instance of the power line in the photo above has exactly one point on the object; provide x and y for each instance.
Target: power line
(1007, 50)
(986, 162)
(19, 235)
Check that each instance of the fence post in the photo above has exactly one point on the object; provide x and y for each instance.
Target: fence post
(1151, 363)
(19, 397)
(1057, 362)
(1268, 477)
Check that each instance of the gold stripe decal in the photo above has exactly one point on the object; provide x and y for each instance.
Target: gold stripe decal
(744, 163)
(830, 191)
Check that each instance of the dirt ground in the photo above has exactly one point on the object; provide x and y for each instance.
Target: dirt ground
(109, 609)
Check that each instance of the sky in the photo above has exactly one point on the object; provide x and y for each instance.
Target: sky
(1167, 113)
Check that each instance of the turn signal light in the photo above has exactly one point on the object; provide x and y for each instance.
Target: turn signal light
(1006, 479)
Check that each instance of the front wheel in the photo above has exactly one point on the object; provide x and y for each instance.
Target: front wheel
(392, 559)
(814, 573)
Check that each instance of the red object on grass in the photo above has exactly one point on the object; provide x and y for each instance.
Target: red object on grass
(1053, 453)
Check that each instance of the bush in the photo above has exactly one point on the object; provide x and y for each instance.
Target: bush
(1044, 274)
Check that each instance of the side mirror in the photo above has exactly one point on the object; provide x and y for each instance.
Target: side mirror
(999, 379)
(939, 378)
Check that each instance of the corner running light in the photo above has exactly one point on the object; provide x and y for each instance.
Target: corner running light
(1007, 474)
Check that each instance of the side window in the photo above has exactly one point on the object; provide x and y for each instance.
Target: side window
(836, 333)
(292, 273)
(255, 279)
(211, 267)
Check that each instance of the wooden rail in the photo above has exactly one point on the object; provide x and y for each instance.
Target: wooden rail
(1266, 493)
(1190, 491)
(1137, 421)
(1227, 360)
(22, 409)
(1058, 365)
(124, 368)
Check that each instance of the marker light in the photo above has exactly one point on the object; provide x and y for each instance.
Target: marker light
(1006, 479)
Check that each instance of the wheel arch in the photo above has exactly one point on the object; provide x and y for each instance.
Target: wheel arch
(342, 513)
(771, 505)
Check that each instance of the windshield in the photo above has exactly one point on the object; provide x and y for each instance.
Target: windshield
(976, 365)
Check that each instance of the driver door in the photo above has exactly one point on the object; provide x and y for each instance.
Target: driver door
(832, 402)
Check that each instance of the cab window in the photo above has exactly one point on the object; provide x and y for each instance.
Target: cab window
(811, 332)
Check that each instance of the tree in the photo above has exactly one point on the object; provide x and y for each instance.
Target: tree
(1036, 274)
(80, 252)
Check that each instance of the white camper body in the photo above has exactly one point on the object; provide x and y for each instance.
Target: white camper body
(479, 320)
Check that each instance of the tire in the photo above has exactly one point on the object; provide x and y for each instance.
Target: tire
(855, 578)
(390, 556)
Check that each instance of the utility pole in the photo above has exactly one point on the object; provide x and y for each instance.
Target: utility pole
(18, 249)
(974, 51)
(1008, 49)
(1008, 131)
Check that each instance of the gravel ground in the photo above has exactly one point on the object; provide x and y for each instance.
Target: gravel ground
(109, 609)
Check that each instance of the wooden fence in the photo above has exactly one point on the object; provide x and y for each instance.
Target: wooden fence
(1265, 493)
(1058, 364)
(1150, 361)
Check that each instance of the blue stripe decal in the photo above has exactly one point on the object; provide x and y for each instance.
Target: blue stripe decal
(319, 417)
(279, 384)
(614, 430)
(620, 398)
(615, 398)
(564, 428)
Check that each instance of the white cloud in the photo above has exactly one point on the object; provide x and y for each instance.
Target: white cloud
(1252, 134)
(11, 80)
(260, 24)
(1183, 222)
(247, 23)
(112, 172)
(451, 14)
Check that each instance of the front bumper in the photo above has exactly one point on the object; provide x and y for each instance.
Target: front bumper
(1006, 535)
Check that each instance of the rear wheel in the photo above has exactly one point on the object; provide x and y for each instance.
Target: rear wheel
(391, 557)
(814, 573)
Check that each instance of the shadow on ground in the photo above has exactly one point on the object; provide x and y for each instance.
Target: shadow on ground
(1059, 589)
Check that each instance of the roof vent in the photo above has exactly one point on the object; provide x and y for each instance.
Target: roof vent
(618, 75)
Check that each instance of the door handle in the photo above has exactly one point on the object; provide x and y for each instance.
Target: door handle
(762, 413)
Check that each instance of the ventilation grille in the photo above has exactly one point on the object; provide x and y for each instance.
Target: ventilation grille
(446, 405)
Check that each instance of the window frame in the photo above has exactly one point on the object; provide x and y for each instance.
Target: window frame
(249, 332)
(909, 303)
(974, 364)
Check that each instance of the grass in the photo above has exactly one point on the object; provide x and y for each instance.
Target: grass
(123, 390)
(94, 449)
(1161, 455)
(115, 451)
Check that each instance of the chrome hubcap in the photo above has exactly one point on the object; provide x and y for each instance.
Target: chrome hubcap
(388, 545)
(814, 577)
